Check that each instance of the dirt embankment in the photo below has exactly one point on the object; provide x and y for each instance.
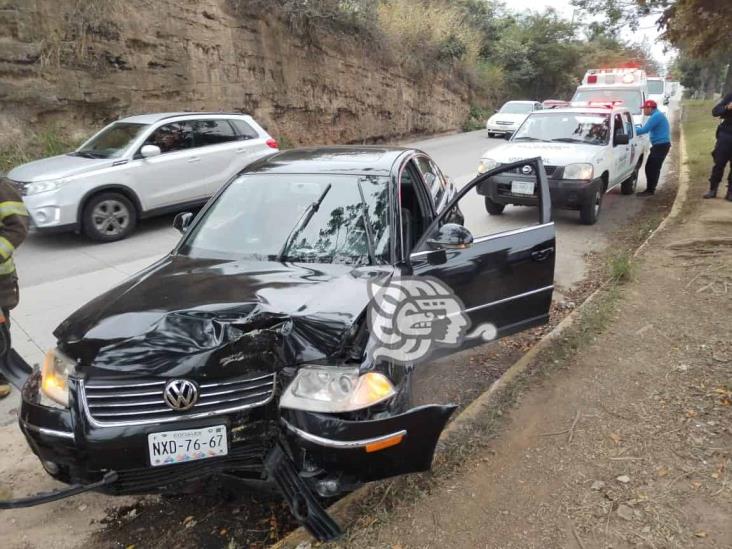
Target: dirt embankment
(77, 64)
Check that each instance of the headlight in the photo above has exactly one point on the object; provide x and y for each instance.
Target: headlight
(487, 164)
(335, 389)
(55, 378)
(578, 171)
(43, 186)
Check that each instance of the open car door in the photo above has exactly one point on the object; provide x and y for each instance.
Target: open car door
(500, 267)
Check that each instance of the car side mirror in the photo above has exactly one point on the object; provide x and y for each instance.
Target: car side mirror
(666, 100)
(148, 151)
(621, 139)
(181, 221)
(450, 236)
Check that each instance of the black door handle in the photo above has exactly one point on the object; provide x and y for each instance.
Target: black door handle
(543, 254)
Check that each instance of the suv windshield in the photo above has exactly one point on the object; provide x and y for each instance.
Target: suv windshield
(631, 99)
(517, 108)
(566, 127)
(112, 141)
(296, 218)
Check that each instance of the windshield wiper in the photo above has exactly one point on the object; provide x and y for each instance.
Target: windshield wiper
(305, 218)
(527, 138)
(367, 224)
(571, 140)
(85, 154)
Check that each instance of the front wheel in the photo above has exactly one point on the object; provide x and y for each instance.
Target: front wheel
(628, 186)
(590, 210)
(108, 217)
(493, 208)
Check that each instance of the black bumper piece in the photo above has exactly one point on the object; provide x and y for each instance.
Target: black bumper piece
(47, 497)
(303, 503)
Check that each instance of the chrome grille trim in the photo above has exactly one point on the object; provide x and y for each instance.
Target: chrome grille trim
(109, 405)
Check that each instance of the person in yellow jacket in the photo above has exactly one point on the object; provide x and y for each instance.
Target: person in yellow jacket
(13, 230)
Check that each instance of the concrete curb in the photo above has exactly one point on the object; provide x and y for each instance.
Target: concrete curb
(346, 508)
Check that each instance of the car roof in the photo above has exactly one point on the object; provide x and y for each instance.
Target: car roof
(346, 159)
(154, 117)
(522, 101)
(588, 110)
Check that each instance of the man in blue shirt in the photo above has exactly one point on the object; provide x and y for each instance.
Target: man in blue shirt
(657, 125)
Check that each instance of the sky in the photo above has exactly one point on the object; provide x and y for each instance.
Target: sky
(647, 29)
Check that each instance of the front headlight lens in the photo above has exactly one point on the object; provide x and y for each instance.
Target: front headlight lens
(43, 186)
(55, 378)
(487, 164)
(335, 389)
(578, 171)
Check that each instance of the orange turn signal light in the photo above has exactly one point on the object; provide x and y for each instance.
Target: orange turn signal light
(383, 444)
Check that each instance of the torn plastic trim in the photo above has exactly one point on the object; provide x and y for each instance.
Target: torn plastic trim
(15, 369)
(343, 444)
(47, 497)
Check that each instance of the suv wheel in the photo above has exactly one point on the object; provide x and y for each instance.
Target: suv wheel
(590, 210)
(493, 208)
(628, 186)
(109, 217)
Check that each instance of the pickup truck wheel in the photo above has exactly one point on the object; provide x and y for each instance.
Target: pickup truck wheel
(493, 208)
(490, 134)
(628, 186)
(108, 217)
(590, 210)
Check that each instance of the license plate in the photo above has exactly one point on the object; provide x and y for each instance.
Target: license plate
(170, 447)
(522, 187)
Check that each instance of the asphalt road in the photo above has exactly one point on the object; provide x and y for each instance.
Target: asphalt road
(59, 273)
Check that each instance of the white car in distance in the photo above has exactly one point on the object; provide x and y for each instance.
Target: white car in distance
(510, 116)
(138, 167)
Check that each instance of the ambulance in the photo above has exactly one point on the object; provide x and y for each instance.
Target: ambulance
(619, 86)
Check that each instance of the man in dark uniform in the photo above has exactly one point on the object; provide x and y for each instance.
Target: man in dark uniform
(13, 230)
(722, 153)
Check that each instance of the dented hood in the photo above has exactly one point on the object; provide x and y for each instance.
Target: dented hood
(211, 318)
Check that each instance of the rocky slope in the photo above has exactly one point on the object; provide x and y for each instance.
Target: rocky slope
(78, 63)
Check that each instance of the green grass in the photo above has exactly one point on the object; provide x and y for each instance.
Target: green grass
(699, 127)
(49, 141)
(621, 267)
(476, 118)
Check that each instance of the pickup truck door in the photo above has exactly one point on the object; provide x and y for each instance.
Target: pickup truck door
(620, 154)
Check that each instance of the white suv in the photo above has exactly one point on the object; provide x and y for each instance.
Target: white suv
(139, 167)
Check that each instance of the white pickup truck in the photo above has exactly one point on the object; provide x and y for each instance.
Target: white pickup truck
(586, 151)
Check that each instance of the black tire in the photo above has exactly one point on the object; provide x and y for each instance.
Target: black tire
(490, 134)
(109, 216)
(493, 208)
(628, 186)
(590, 210)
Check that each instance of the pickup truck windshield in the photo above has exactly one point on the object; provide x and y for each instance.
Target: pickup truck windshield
(566, 127)
(111, 142)
(631, 99)
(296, 218)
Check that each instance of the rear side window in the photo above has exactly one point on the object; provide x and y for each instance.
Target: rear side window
(243, 129)
(213, 132)
(628, 124)
(173, 137)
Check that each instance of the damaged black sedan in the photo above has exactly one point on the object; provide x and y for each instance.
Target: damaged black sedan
(248, 351)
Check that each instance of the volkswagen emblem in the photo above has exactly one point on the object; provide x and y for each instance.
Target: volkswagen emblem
(526, 170)
(180, 394)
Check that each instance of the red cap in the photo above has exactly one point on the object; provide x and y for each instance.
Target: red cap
(650, 104)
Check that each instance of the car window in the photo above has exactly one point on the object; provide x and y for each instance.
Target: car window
(516, 108)
(244, 129)
(432, 178)
(629, 124)
(213, 132)
(618, 127)
(592, 128)
(630, 99)
(296, 218)
(173, 137)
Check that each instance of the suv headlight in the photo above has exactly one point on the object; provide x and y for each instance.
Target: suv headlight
(487, 164)
(335, 389)
(578, 171)
(55, 379)
(44, 186)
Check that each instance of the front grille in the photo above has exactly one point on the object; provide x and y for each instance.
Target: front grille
(548, 169)
(243, 458)
(141, 401)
